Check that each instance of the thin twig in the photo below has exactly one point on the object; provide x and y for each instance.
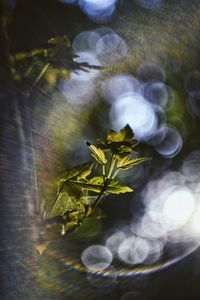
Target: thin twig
(104, 187)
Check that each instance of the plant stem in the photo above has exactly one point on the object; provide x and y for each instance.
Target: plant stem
(109, 178)
(104, 187)
(112, 164)
(104, 173)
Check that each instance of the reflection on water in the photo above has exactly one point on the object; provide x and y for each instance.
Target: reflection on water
(115, 240)
(98, 10)
(151, 72)
(118, 85)
(143, 120)
(171, 145)
(96, 257)
(107, 280)
(133, 250)
(111, 47)
(89, 58)
(103, 43)
(156, 92)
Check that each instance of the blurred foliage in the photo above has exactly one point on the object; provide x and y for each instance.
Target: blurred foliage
(56, 61)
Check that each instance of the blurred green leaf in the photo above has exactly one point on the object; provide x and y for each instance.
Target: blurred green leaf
(60, 40)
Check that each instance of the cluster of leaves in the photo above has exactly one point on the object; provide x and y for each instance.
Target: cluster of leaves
(81, 189)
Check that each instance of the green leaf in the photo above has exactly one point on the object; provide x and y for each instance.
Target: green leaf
(72, 191)
(60, 185)
(127, 162)
(88, 186)
(96, 180)
(98, 154)
(62, 204)
(74, 201)
(115, 188)
(88, 200)
(68, 191)
(125, 148)
(125, 134)
(119, 142)
(67, 199)
(78, 214)
(80, 171)
(67, 207)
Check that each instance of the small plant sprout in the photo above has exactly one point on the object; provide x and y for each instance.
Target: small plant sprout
(83, 188)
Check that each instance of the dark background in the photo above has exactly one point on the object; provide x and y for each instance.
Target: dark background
(33, 23)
